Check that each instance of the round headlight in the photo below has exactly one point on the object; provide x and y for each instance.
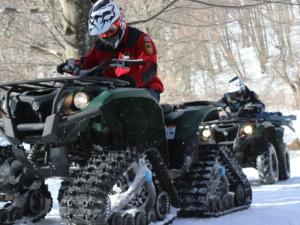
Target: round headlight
(81, 100)
(248, 129)
(206, 133)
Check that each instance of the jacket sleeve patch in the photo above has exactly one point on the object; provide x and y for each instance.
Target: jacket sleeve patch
(149, 45)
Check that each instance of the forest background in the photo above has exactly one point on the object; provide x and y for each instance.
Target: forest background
(201, 44)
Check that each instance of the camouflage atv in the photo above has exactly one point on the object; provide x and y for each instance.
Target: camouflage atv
(108, 143)
(256, 140)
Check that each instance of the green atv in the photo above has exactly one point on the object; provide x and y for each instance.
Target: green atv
(123, 158)
(256, 140)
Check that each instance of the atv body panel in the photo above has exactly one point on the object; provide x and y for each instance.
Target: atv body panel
(116, 155)
(132, 118)
(186, 121)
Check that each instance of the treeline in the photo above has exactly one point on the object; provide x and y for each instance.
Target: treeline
(201, 43)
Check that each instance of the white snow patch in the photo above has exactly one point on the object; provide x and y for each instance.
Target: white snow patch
(277, 204)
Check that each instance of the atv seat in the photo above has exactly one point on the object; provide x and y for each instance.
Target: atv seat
(167, 108)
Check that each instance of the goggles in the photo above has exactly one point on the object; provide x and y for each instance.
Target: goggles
(113, 30)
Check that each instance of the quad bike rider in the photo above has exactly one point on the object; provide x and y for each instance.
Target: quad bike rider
(108, 143)
(258, 135)
(239, 95)
(116, 40)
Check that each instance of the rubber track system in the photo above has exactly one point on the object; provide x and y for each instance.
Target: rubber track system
(161, 177)
(195, 188)
(86, 202)
(26, 202)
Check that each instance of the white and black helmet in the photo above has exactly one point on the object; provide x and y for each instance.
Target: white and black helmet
(236, 87)
(107, 22)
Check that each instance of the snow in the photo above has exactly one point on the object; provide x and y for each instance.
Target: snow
(277, 204)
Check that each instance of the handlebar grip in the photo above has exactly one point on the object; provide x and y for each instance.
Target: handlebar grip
(136, 62)
(126, 62)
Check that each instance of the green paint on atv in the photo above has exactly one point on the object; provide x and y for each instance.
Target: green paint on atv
(111, 144)
(188, 120)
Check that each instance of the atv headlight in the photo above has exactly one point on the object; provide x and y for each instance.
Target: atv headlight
(206, 134)
(248, 129)
(68, 105)
(81, 100)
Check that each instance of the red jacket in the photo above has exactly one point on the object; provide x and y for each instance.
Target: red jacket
(135, 45)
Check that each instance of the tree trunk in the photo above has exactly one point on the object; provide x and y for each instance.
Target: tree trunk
(75, 15)
(296, 93)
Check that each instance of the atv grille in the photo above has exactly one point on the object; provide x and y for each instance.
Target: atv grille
(24, 112)
(225, 133)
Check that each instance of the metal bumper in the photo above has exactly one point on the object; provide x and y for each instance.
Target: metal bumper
(50, 130)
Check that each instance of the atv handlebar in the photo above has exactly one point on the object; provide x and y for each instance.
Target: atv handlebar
(126, 62)
(275, 118)
(98, 70)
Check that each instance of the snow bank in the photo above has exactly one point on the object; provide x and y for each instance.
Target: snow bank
(272, 204)
(277, 204)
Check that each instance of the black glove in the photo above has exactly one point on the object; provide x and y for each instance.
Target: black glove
(60, 68)
(249, 107)
(68, 67)
(249, 110)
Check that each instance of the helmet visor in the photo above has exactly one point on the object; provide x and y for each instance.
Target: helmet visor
(238, 95)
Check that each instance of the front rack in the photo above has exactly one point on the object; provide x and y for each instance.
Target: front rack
(21, 86)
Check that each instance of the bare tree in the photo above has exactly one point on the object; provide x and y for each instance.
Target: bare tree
(200, 43)
(30, 44)
(75, 16)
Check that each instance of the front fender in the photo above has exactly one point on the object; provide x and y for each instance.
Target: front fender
(187, 121)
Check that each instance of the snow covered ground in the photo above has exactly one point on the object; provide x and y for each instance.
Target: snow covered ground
(272, 204)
